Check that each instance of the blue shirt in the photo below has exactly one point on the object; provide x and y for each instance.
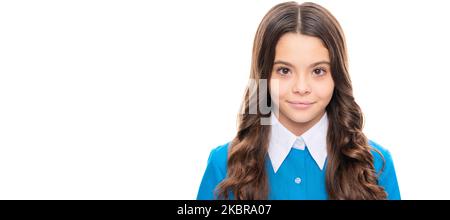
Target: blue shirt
(298, 177)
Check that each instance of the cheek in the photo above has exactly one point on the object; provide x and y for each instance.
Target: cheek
(278, 89)
(325, 90)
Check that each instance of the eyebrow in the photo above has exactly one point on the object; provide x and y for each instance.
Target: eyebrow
(312, 65)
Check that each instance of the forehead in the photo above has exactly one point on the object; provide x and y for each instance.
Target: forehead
(300, 49)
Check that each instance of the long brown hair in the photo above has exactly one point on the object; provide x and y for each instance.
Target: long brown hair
(350, 173)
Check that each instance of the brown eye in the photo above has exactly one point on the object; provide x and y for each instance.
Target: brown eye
(319, 71)
(283, 70)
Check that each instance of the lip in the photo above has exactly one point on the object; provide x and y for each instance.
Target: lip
(301, 105)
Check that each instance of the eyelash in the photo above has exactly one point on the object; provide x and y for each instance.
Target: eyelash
(285, 68)
(322, 69)
(282, 68)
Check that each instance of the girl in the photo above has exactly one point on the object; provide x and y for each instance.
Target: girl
(313, 146)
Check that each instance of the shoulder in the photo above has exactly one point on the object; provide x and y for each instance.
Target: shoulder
(216, 171)
(220, 153)
(381, 155)
(218, 157)
(377, 149)
(384, 166)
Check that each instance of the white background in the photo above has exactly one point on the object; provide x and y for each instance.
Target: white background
(125, 99)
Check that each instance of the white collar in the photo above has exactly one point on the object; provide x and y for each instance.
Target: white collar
(282, 140)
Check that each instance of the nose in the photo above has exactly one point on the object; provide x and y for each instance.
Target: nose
(301, 84)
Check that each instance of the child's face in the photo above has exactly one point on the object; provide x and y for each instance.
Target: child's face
(305, 85)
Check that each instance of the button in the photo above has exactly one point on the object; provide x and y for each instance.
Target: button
(298, 180)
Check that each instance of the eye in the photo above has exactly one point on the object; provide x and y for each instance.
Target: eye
(283, 70)
(319, 71)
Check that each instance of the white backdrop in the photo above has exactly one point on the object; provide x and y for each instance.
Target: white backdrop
(125, 99)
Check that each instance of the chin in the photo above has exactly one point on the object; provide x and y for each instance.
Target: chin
(300, 117)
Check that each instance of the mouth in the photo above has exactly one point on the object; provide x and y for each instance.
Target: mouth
(300, 104)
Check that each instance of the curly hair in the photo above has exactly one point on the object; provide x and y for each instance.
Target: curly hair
(350, 172)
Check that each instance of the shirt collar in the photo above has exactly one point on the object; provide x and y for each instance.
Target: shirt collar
(282, 140)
